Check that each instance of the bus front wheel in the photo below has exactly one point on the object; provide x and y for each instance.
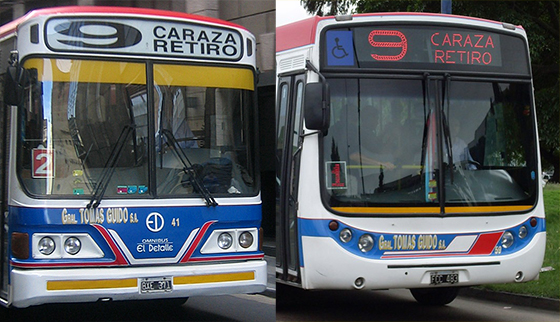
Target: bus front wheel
(435, 296)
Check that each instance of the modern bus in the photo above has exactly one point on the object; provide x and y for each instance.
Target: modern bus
(128, 157)
(406, 155)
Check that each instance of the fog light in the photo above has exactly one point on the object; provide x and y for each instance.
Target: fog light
(72, 245)
(345, 235)
(246, 239)
(507, 239)
(225, 240)
(522, 232)
(46, 246)
(365, 243)
(359, 283)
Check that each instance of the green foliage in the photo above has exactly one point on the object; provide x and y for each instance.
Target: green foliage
(539, 19)
(327, 7)
(548, 284)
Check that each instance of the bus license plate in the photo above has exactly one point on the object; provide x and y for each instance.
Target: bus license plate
(156, 284)
(437, 278)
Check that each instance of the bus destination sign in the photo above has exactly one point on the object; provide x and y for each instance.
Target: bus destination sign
(135, 37)
(364, 46)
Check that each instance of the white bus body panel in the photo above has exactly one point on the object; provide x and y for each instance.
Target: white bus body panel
(327, 266)
(32, 284)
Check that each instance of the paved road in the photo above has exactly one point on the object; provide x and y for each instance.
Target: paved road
(212, 308)
(395, 305)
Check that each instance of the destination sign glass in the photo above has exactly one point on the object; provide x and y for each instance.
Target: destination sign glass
(392, 46)
(141, 37)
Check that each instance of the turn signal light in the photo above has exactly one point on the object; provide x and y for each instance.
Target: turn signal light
(20, 245)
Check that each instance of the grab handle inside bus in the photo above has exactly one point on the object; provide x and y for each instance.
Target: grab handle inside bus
(16, 79)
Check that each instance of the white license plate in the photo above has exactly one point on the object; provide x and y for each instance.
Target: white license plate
(437, 278)
(156, 284)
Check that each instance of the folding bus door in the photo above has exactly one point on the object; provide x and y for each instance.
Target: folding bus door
(288, 151)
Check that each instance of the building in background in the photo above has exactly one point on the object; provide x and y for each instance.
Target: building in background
(258, 16)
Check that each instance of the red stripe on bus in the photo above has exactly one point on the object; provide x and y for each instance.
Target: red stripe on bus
(12, 26)
(196, 241)
(222, 258)
(485, 244)
(119, 257)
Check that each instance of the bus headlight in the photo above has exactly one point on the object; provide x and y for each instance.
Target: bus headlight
(246, 239)
(507, 239)
(46, 246)
(345, 235)
(523, 232)
(72, 245)
(365, 243)
(225, 241)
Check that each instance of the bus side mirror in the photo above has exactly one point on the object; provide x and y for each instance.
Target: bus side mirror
(317, 107)
(15, 81)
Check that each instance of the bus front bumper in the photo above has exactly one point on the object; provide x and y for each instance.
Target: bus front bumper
(40, 286)
(342, 270)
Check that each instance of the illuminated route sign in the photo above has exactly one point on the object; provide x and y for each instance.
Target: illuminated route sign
(407, 46)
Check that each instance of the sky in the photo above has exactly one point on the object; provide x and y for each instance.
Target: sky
(289, 11)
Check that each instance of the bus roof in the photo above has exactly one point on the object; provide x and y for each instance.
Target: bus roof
(302, 33)
(12, 26)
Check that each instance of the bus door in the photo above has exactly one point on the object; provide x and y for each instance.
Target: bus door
(288, 152)
(4, 154)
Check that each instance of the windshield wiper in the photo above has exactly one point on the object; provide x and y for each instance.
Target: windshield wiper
(188, 168)
(109, 168)
(446, 131)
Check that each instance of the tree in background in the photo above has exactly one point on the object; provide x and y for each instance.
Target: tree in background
(540, 21)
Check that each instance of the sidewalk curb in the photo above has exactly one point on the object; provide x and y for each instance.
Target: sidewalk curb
(511, 298)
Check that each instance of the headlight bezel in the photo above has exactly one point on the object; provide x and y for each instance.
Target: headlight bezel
(366, 242)
(345, 235)
(72, 245)
(225, 240)
(46, 246)
(507, 240)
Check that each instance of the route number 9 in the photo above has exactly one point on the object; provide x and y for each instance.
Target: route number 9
(43, 163)
(402, 44)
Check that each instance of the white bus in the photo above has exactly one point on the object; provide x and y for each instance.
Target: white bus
(407, 155)
(128, 157)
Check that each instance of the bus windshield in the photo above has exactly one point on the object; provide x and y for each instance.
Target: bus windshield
(429, 142)
(85, 122)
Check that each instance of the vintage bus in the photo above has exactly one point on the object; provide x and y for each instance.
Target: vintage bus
(407, 155)
(128, 155)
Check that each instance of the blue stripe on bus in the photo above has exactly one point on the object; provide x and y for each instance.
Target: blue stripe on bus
(147, 232)
(407, 246)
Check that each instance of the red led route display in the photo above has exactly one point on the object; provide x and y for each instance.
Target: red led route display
(373, 46)
(463, 48)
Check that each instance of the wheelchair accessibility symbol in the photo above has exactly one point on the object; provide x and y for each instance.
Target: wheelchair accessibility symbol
(338, 51)
(339, 48)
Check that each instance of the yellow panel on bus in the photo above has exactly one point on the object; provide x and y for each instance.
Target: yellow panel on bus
(89, 71)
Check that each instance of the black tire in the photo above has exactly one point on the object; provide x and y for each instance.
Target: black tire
(435, 296)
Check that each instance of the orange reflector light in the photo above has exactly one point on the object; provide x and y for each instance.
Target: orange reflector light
(20, 245)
